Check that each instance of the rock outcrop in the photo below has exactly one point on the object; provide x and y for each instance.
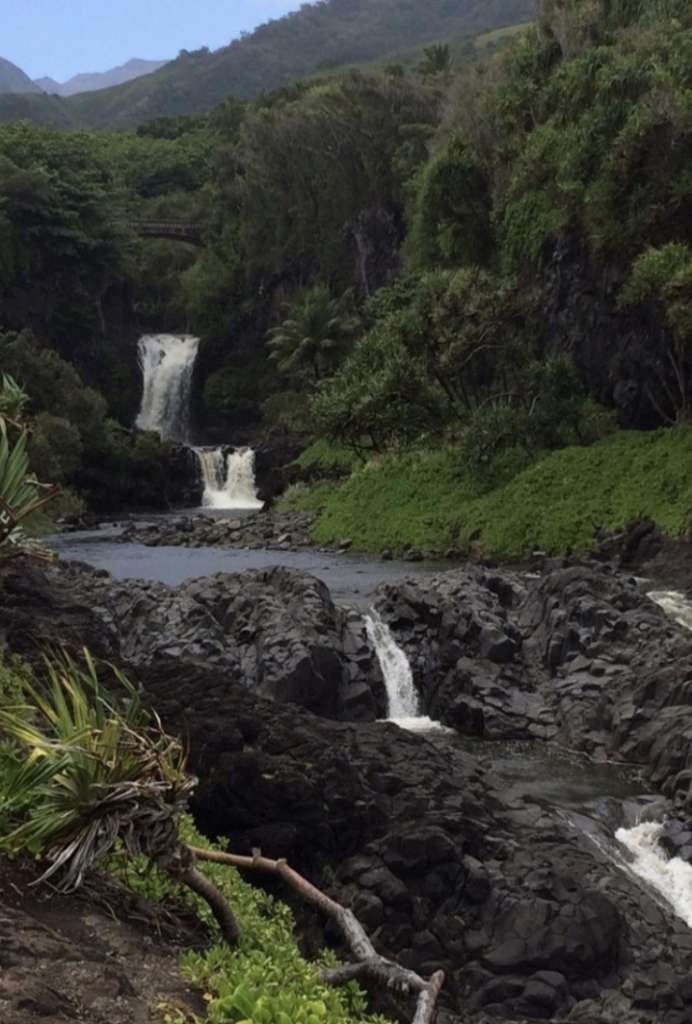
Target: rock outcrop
(276, 632)
(279, 531)
(512, 899)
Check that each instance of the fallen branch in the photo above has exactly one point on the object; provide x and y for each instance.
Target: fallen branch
(369, 964)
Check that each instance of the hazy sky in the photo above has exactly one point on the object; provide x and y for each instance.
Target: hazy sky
(59, 38)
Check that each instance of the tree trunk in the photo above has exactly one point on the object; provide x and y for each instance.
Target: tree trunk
(217, 902)
(369, 963)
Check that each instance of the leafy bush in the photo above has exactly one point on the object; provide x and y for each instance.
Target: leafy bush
(265, 980)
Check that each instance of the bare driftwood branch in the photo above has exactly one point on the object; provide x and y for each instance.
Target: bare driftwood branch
(369, 964)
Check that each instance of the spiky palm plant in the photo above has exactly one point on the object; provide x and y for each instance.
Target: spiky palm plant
(20, 493)
(96, 772)
(13, 398)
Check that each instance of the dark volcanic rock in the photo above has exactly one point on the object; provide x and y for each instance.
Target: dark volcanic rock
(581, 656)
(275, 631)
(514, 903)
(511, 899)
(460, 633)
(279, 531)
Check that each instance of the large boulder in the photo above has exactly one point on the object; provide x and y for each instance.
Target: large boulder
(274, 631)
(459, 630)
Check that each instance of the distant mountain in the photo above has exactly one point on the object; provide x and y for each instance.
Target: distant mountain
(91, 81)
(13, 79)
(317, 37)
(36, 107)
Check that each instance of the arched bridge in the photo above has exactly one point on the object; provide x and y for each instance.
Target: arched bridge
(172, 231)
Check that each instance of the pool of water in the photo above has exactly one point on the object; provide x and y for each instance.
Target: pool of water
(351, 578)
(548, 773)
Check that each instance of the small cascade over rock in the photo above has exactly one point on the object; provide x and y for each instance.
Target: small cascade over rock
(229, 479)
(403, 706)
(167, 362)
(674, 604)
(670, 877)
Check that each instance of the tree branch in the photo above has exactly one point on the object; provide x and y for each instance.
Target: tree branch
(369, 964)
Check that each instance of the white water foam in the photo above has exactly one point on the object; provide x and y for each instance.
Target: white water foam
(403, 701)
(229, 480)
(670, 877)
(167, 362)
(674, 604)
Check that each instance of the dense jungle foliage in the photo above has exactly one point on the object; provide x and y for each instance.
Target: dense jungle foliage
(491, 259)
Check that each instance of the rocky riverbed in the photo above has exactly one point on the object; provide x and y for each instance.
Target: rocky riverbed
(278, 531)
(525, 906)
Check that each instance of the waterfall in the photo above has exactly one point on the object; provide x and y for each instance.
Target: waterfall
(674, 604)
(403, 703)
(670, 877)
(167, 362)
(229, 480)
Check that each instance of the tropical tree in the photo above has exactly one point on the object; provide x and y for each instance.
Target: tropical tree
(437, 60)
(314, 336)
(99, 772)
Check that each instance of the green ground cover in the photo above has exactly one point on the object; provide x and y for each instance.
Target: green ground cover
(430, 501)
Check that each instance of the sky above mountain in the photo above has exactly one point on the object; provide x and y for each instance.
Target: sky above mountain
(60, 38)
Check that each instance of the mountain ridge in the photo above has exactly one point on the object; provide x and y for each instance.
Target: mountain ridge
(316, 37)
(13, 80)
(91, 81)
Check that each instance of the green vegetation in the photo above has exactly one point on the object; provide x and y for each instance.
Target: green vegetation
(89, 777)
(431, 502)
(481, 221)
(96, 772)
(316, 38)
(310, 342)
(21, 495)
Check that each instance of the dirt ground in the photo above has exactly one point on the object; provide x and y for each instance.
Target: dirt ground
(101, 957)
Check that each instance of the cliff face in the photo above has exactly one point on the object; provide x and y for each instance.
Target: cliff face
(621, 356)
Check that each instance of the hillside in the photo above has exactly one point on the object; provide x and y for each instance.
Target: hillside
(13, 79)
(91, 81)
(316, 37)
(36, 107)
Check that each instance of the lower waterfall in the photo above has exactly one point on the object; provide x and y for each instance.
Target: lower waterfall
(229, 480)
(403, 702)
(674, 604)
(670, 877)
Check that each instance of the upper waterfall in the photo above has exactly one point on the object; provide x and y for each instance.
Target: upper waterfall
(229, 480)
(167, 362)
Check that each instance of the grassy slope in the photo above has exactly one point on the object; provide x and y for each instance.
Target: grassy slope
(427, 500)
(318, 36)
(463, 49)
